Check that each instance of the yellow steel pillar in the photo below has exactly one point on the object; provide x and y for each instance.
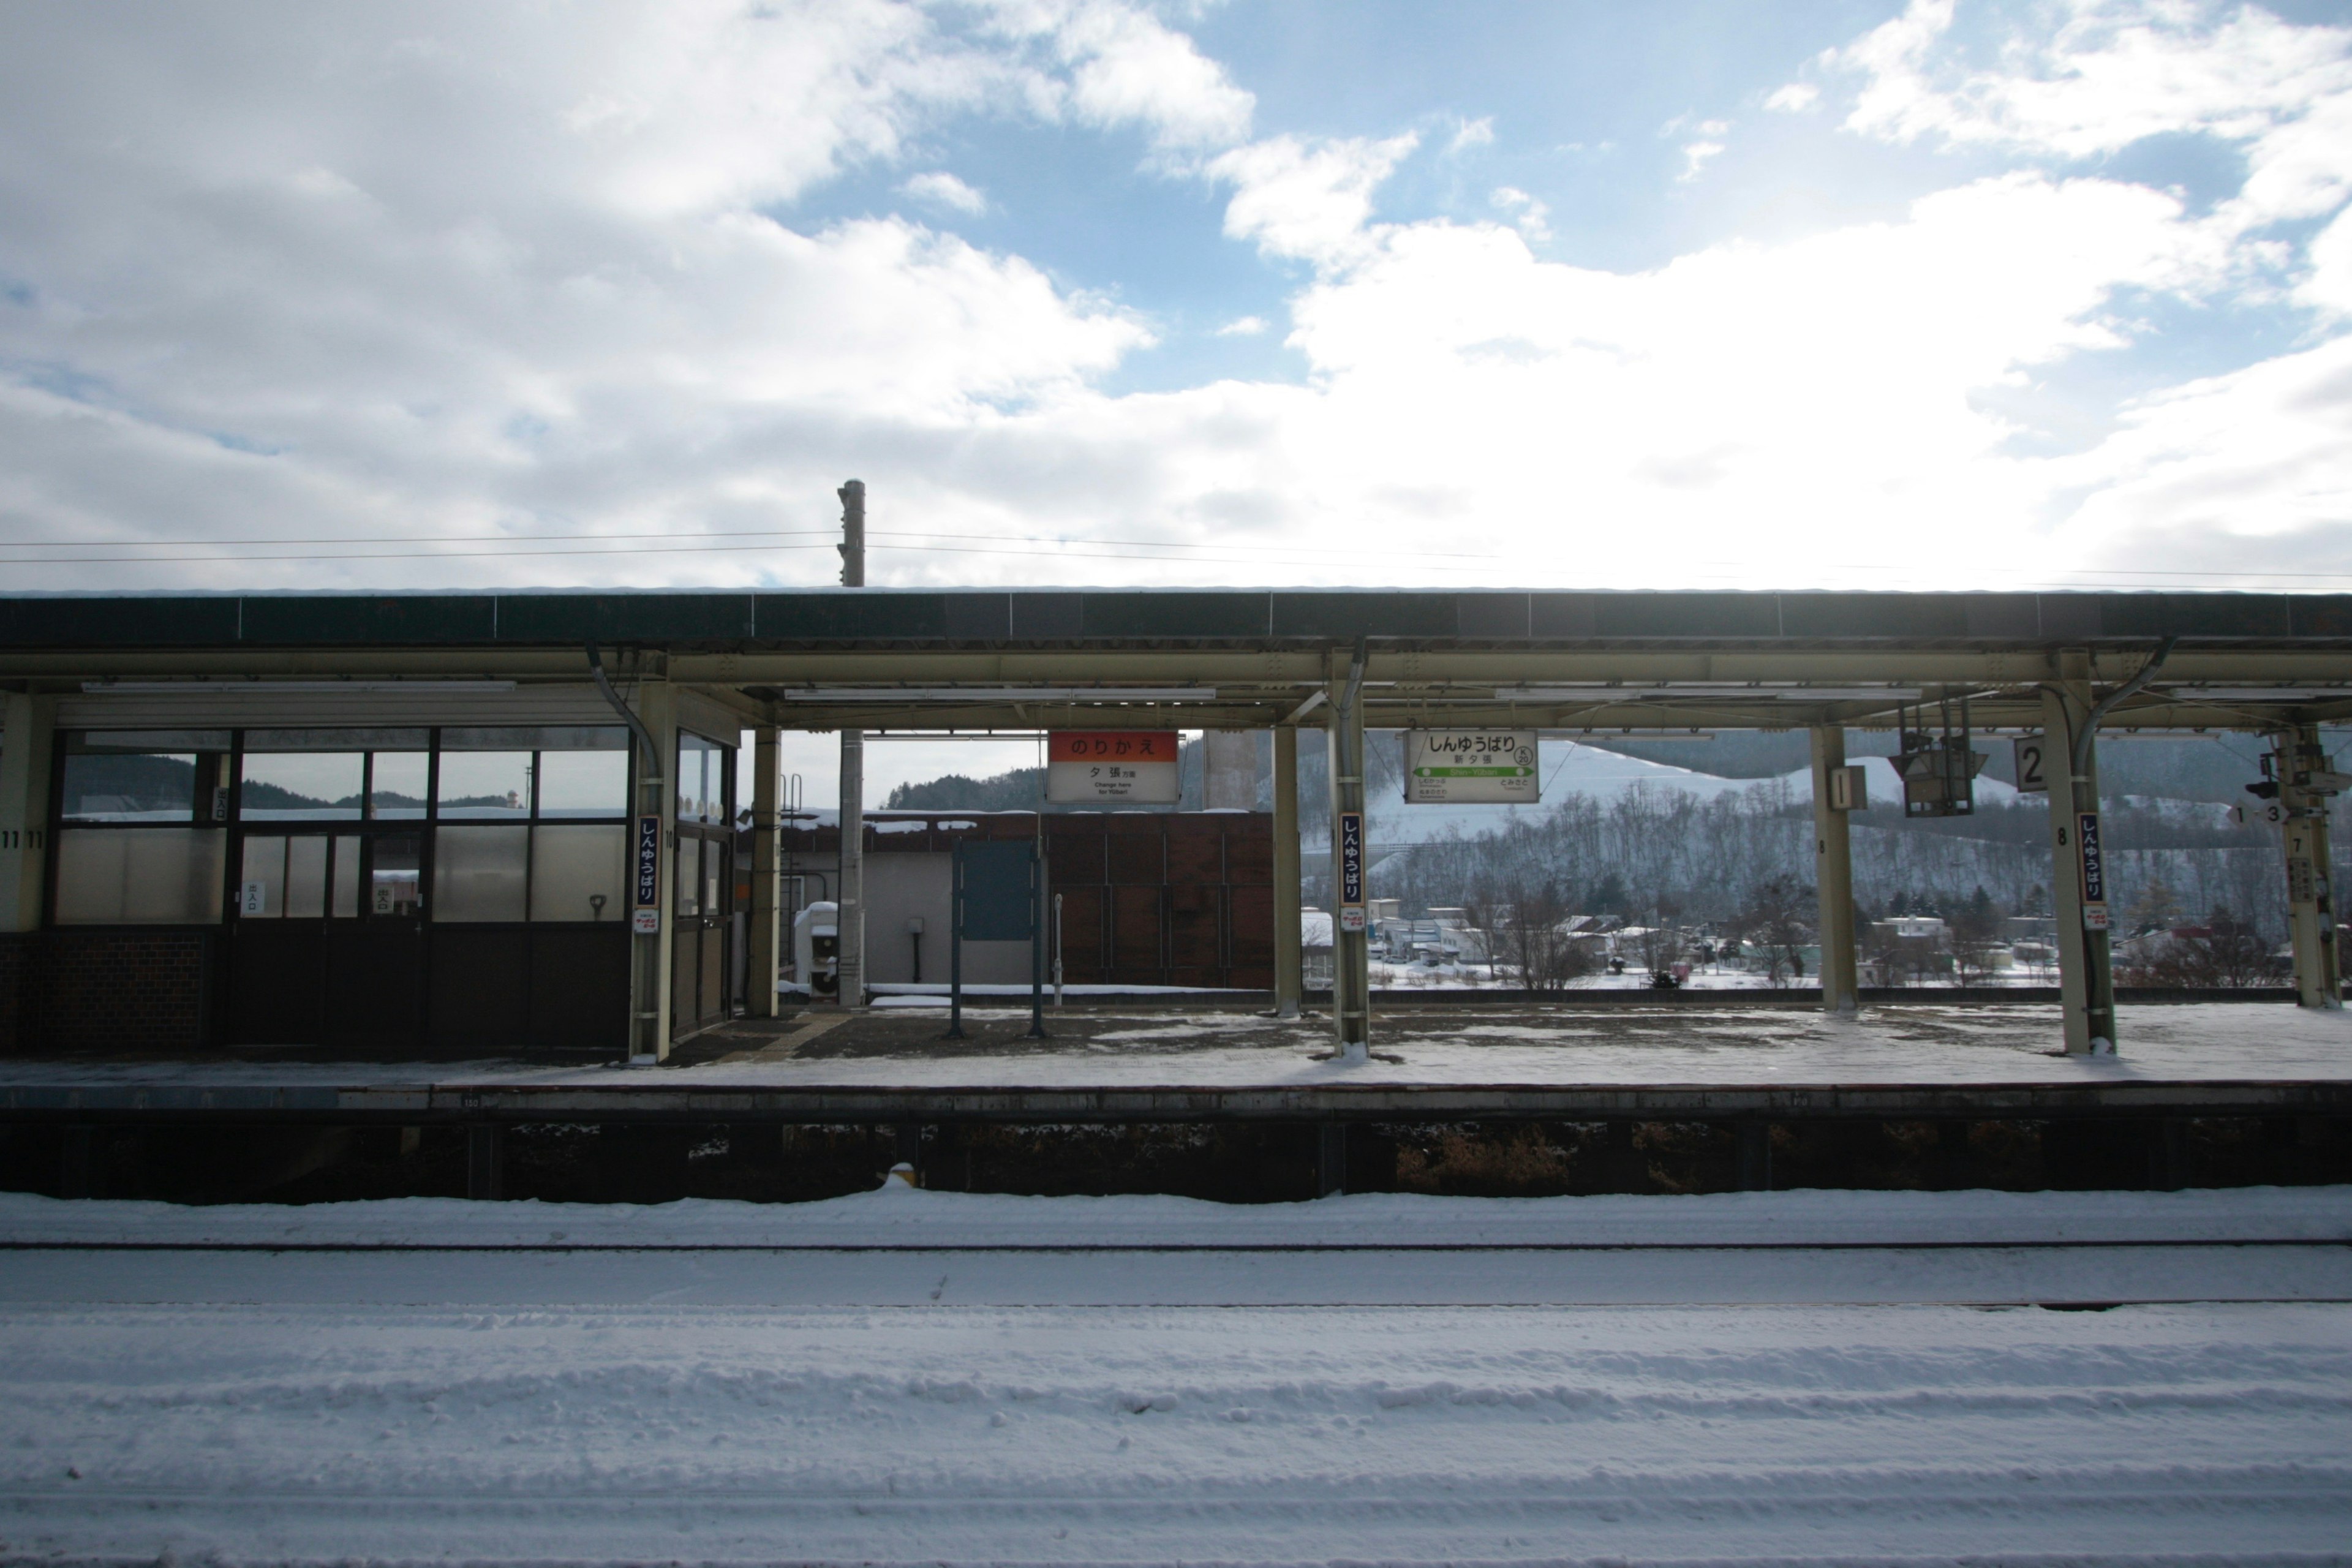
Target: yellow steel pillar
(1834, 874)
(2311, 902)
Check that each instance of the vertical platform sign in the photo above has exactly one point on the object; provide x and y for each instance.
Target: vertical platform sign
(1134, 766)
(646, 918)
(1351, 870)
(2092, 855)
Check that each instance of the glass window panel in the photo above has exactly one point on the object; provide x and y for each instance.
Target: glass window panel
(399, 787)
(584, 783)
(148, 740)
(306, 876)
(146, 876)
(345, 902)
(572, 868)
(261, 886)
(701, 780)
(485, 784)
(689, 876)
(478, 873)
(301, 786)
(129, 786)
(713, 856)
(394, 881)
(338, 740)
(538, 738)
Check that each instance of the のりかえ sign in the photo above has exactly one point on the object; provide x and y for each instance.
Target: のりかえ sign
(1497, 767)
(1134, 767)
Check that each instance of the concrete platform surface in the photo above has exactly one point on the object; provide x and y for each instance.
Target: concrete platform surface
(1120, 1053)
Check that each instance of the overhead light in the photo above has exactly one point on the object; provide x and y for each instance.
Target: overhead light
(1746, 693)
(2261, 693)
(1000, 694)
(306, 688)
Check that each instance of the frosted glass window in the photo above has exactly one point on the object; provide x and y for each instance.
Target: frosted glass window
(399, 787)
(689, 876)
(580, 873)
(345, 902)
(479, 785)
(261, 886)
(301, 786)
(584, 783)
(142, 876)
(129, 786)
(478, 873)
(306, 876)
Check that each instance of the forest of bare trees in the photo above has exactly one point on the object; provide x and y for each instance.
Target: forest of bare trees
(1663, 856)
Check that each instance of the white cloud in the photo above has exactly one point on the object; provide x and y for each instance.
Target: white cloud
(1706, 142)
(1308, 201)
(1127, 67)
(1527, 213)
(2114, 72)
(940, 188)
(1243, 327)
(1795, 97)
(1471, 134)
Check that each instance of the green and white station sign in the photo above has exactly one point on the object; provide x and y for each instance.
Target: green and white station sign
(1494, 767)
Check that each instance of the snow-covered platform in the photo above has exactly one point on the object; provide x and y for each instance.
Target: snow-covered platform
(1114, 1065)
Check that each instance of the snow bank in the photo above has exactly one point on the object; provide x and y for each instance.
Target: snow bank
(897, 1216)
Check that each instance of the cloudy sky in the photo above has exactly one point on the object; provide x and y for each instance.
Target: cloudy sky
(1846, 292)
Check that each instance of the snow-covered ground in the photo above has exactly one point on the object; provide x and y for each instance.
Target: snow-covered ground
(1635, 1045)
(932, 1402)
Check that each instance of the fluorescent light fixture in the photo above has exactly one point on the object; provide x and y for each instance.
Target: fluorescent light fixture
(2262, 693)
(1656, 693)
(302, 687)
(1001, 694)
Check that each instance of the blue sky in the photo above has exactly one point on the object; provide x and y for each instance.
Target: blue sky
(1931, 293)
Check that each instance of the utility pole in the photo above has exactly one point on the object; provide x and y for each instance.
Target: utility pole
(850, 914)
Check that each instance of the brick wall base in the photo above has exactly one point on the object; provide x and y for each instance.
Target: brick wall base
(103, 988)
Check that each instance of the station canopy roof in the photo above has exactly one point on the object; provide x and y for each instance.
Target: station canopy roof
(1210, 657)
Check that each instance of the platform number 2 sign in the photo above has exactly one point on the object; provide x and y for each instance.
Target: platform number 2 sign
(2030, 776)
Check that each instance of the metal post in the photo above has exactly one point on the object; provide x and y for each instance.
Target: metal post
(1037, 944)
(850, 898)
(1289, 978)
(2086, 985)
(955, 943)
(653, 949)
(2311, 904)
(767, 887)
(25, 808)
(1834, 876)
(486, 1160)
(1351, 967)
(1057, 949)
